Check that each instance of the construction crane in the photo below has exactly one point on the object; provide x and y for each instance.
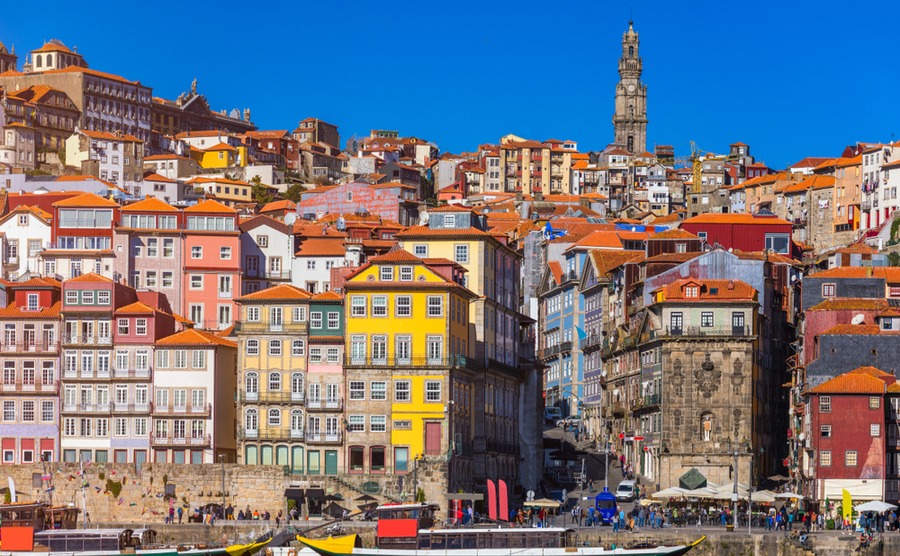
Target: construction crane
(694, 161)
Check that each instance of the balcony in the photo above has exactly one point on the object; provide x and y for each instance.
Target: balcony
(412, 362)
(565, 346)
(865, 205)
(325, 405)
(279, 434)
(270, 328)
(85, 408)
(701, 331)
(30, 347)
(131, 373)
(130, 407)
(618, 409)
(592, 341)
(11, 261)
(265, 274)
(192, 410)
(317, 437)
(225, 294)
(81, 340)
(30, 388)
(271, 397)
(548, 352)
(172, 440)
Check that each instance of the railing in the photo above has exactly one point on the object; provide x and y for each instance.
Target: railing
(30, 347)
(565, 346)
(265, 327)
(130, 407)
(413, 362)
(865, 205)
(651, 401)
(171, 440)
(707, 331)
(592, 341)
(86, 340)
(85, 408)
(325, 404)
(194, 410)
(319, 437)
(131, 373)
(11, 261)
(268, 274)
(618, 408)
(271, 434)
(81, 373)
(550, 351)
(225, 295)
(30, 387)
(271, 397)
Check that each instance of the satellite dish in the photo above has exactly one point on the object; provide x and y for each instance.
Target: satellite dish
(290, 218)
(341, 224)
(858, 319)
(423, 218)
(529, 495)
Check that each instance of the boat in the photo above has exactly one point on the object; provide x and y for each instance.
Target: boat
(36, 528)
(408, 530)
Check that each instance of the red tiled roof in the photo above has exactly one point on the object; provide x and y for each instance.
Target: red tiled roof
(320, 247)
(156, 177)
(90, 277)
(86, 200)
(555, 271)
(734, 218)
(327, 296)
(425, 231)
(608, 260)
(397, 256)
(725, 290)
(194, 337)
(890, 273)
(281, 292)
(675, 233)
(851, 304)
(599, 238)
(110, 136)
(136, 308)
(210, 205)
(854, 329)
(864, 380)
(150, 204)
(283, 204)
(13, 311)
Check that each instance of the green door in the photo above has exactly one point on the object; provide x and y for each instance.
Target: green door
(331, 462)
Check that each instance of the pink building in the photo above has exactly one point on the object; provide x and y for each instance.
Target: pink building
(211, 264)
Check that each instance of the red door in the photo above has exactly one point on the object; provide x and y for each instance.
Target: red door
(433, 438)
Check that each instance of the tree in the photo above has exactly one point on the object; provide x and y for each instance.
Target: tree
(294, 192)
(261, 193)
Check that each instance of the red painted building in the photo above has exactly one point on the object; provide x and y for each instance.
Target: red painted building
(744, 232)
(853, 435)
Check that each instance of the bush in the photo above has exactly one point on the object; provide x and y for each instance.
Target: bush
(114, 487)
(829, 524)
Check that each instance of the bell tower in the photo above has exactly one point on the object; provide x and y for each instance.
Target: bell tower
(630, 118)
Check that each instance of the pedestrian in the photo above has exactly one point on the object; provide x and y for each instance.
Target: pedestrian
(171, 514)
(591, 516)
(180, 514)
(615, 522)
(266, 516)
(255, 515)
(621, 519)
(471, 510)
(278, 518)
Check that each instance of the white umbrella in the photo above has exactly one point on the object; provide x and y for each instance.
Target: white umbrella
(728, 495)
(544, 503)
(762, 496)
(672, 492)
(704, 492)
(875, 506)
(790, 495)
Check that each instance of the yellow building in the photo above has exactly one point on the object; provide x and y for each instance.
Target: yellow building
(228, 192)
(272, 338)
(407, 368)
(220, 156)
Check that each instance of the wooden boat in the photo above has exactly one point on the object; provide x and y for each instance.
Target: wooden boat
(407, 530)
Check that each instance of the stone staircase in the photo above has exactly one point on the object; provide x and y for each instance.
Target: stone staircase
(350, 486)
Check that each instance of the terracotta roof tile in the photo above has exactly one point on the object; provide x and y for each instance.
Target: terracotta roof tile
(136, 308)
(425, 231)
(86, 200)
(327, 296)
(609, 260)
(194, 337)
(599, 238)
(156, 177)
(150, 204)
(890, 273)
(281, 292)
(555, 271)
(851, 304)
(89, 278)
(211, 206)
(734, 218)
(13, 311)
(864, 380)
(854, 329)
(397, 256)
(675, 233)
(321, 247)
(105, 135)
(283, 204)
(710, 290)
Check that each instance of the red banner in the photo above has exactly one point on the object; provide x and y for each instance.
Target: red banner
(504, 500)
(492, 500)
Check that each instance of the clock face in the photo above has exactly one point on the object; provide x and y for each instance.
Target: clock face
(631, 88)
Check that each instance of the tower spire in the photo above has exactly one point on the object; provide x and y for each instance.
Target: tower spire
(630, 118)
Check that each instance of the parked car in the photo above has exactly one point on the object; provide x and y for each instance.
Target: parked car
(552, 413)
(625, 491)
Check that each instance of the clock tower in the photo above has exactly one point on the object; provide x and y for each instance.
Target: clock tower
(630, 119)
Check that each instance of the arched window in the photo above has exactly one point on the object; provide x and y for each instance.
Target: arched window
(38, 61)
(274, 417)
(296, 422)
(274, 382)
(251, 383)
(631, 52)
(298, 348)
(706, 426)
(251, 420)
(274, 347)
(252, 347)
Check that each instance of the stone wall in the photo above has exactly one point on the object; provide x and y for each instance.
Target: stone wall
(122, 493)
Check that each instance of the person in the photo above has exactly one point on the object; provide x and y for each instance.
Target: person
(294, 513)
(266, 516)
(255, 515)
(615, 523)
(180, 513)
(621, 519)
(229, 512)
(591, 516)
(171, 514)
(278, 518)
(803, 538)
(240, 515)
(471, 514)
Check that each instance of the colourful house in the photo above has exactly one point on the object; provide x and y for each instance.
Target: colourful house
(219, 156)
(407, 330)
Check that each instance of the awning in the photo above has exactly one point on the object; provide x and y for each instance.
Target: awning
(293, 493)
(315, 493)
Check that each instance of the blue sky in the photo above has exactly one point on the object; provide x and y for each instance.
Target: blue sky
(790, 78)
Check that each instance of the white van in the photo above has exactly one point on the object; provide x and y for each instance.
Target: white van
(625, 491)
(552, 414)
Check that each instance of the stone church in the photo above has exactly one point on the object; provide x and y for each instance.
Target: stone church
(630, 118)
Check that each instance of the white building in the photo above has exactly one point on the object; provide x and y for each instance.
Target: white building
(24, 232)
(267, 249)
(117, 158)
(313, 261)
(17, 146)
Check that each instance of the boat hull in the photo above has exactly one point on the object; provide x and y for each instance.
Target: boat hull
(327, 547)
(234, 550)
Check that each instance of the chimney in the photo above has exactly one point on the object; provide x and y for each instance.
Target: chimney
(731, 284)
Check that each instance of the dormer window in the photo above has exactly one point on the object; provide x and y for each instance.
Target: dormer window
(692, 291)
(34, 305)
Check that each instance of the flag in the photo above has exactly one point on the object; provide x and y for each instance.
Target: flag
(504, 500)
(581, 333)
(492, 500)
(12, 490)
(847, 504)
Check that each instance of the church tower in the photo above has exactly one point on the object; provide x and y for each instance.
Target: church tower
(630, 119)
